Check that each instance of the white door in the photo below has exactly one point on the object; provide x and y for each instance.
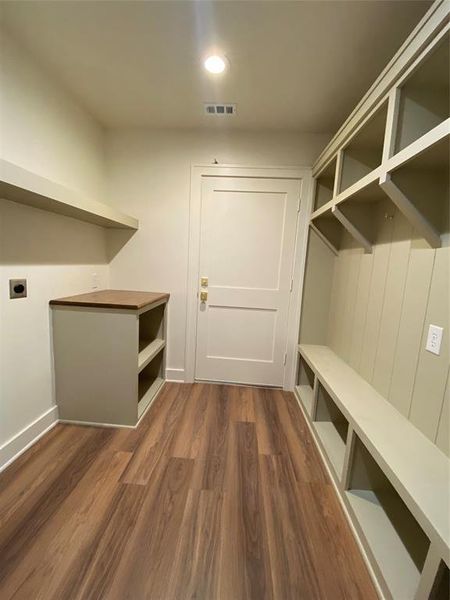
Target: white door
(248, 231)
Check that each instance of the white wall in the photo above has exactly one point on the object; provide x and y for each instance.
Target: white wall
(45, 131)
(149, 177)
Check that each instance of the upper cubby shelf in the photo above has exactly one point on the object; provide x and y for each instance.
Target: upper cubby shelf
(397, 155)
(25, 187)
(424, 96)
(417, 181)
(325, 185)
(365, 151)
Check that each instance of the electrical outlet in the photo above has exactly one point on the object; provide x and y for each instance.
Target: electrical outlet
(94, 282)
(434, 339)
(17, 288)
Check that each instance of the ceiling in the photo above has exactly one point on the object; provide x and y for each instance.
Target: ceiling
(299, 65)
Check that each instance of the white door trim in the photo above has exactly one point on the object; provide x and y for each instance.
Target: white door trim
(273, 172)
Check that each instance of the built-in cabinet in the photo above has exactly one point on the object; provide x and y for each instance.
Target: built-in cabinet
(376, 401)
(109, 355)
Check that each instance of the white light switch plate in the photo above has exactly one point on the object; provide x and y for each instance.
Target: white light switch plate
(434, 339)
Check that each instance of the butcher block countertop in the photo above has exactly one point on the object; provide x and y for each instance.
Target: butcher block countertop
(123, 299)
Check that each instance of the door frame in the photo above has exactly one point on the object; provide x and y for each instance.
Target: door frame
(198, 173)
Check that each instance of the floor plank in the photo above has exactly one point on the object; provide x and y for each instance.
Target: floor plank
(219, 494)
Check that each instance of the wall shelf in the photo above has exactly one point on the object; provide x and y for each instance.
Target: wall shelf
(25, 187)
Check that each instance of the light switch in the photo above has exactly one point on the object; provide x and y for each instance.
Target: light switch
(434, 339)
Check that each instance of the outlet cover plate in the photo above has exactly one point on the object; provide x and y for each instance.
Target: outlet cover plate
(434, 339)
(17, 288)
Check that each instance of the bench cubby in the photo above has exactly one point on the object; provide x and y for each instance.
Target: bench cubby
(391, 533)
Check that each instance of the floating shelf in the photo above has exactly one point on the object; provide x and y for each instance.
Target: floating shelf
(392, 534)
(365, 151)
(332, 428)
(324, 185)
(424, 97)
(417, 181)
(25, 187)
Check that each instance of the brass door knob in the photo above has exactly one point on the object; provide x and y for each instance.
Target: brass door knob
(203, 296)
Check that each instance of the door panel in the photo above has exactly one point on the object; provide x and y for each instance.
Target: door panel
(248, 229)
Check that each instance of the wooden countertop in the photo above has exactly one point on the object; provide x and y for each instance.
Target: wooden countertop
(124, 299)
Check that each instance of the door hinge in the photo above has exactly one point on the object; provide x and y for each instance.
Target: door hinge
(291, 287)
(285, 358)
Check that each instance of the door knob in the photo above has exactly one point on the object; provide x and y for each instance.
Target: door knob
(203, 296)
(204, 281)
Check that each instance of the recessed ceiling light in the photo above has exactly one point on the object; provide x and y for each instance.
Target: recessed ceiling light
(215, 64)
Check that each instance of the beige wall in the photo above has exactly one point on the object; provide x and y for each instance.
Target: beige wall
(381, 307)
(45, 131)
(149, 177)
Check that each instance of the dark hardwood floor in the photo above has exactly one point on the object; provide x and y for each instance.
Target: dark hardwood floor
(219, 494)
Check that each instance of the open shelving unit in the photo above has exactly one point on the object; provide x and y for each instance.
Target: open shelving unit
(397, 157)
(331, 427)
(369, 448)
(392, 535)
(114, 365)
(390, 160)
(23, 186)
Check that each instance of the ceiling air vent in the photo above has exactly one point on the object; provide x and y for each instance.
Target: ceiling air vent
(220, 110)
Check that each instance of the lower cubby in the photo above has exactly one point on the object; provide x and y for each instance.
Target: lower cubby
(391, 533)
(150, 380)
(331, 427)
(305, 385)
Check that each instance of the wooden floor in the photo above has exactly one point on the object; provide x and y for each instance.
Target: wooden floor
(219, 494)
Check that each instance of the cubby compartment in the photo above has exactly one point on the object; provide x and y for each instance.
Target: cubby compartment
(424, 97)
(441, 586)
(324, 185)
(151, 334)
(393, 536)
(365, 151)
(150, 380)
(305, 384)
(423, 183)
(329, 229)
(331, 427)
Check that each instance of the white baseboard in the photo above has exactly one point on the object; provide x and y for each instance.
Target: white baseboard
(28, 436)
(175, 375)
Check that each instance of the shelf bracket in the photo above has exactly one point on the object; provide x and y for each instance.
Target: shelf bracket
(353, 231)
(407, 208)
